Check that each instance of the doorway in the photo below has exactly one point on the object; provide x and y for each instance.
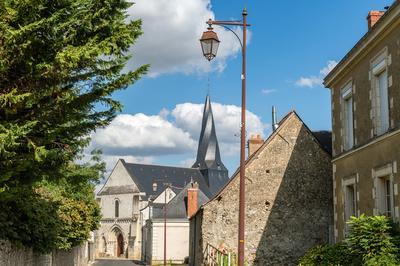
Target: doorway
(120, 245)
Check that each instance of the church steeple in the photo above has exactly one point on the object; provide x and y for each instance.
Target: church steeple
(208, 156)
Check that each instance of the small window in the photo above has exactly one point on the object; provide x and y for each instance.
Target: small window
(380, 95)
(385, 196)
(348, 128)
(350, 199)
(116, 208)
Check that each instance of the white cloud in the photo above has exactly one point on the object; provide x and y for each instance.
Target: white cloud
(309, 82)
(328, 68)
(267, 91)
(172, 29)
(315, 81)
(188, 116)
(142, 138)
(187, 162)
(141, 135)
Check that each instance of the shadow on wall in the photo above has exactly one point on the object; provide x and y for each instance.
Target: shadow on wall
(196, 254)
(301, 213)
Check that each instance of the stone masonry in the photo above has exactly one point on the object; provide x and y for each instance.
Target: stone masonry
(288, 201)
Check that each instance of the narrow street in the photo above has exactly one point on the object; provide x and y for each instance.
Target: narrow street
(116, 262)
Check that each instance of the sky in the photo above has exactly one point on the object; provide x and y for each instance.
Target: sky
(292, 46)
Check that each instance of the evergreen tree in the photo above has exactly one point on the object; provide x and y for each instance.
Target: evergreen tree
(60, 61)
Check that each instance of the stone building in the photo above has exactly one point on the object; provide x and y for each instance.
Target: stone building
(365, 93)
(288, 200)
(134, 196)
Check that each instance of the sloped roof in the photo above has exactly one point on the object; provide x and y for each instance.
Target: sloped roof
(325, 139)
(145, 175)
(322, 137)
(208, 155)
(384, 22)
(177, 207)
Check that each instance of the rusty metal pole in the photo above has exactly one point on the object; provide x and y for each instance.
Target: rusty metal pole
(165, 226)
(242, 150)
(242, 178)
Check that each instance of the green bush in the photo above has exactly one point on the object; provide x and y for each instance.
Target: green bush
(371, 237)
(372, 240)
(338, 254)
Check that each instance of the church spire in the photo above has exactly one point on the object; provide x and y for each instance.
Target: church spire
(208, 156)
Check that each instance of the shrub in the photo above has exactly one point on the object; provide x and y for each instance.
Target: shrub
(372, 241)
(370, 237)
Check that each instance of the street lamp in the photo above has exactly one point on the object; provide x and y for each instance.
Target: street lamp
(209, 44)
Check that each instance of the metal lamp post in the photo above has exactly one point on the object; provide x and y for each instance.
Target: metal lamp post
(209, 44)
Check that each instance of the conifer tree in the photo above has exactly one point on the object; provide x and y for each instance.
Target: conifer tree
(60, 62)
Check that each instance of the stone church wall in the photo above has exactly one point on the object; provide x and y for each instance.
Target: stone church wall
(288, 202)
(14, 256)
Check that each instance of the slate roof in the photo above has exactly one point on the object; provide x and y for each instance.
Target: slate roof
(117, 190)
(325, 139)
(145, 175)
(208, 155)
(177, 207)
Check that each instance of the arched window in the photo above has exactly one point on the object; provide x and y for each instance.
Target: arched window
(116, 208)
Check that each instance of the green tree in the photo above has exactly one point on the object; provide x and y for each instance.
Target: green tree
(60, 62)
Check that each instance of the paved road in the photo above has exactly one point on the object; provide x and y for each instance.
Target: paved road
(107, 262)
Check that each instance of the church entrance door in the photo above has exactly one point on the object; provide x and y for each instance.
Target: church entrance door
(120, 245)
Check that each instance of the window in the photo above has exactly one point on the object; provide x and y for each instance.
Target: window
(350, 202)
(348, 129)
(116, 208)
(380, 92)
(350, 197)
(384, 196)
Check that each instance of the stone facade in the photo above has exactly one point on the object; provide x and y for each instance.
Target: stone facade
(366, 150)
(119, 234)
(288, 201)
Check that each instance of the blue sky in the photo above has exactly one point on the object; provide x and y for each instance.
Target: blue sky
(290, 40)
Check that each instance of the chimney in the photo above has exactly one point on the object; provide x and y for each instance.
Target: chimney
(373, 17)
(274, 123)
(192, 199)
(255, 143)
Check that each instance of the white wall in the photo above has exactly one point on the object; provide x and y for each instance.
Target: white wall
(177, 240)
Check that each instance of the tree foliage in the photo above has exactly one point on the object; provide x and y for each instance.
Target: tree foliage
(59, 60)
(60, 63)
(372, 240)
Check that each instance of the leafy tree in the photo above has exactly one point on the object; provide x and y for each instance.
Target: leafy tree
(59, 60)
(55, 214)
(60, 63)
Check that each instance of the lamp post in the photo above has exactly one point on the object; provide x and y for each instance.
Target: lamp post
(209, 44)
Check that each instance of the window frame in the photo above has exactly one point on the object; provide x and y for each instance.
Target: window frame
(381, 176)
(117, 203)
(379, 66)
(346, 94)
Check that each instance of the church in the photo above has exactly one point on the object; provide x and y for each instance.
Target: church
(136, 198)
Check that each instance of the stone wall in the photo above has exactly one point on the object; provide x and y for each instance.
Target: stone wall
(14, 256)
(288, 202)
